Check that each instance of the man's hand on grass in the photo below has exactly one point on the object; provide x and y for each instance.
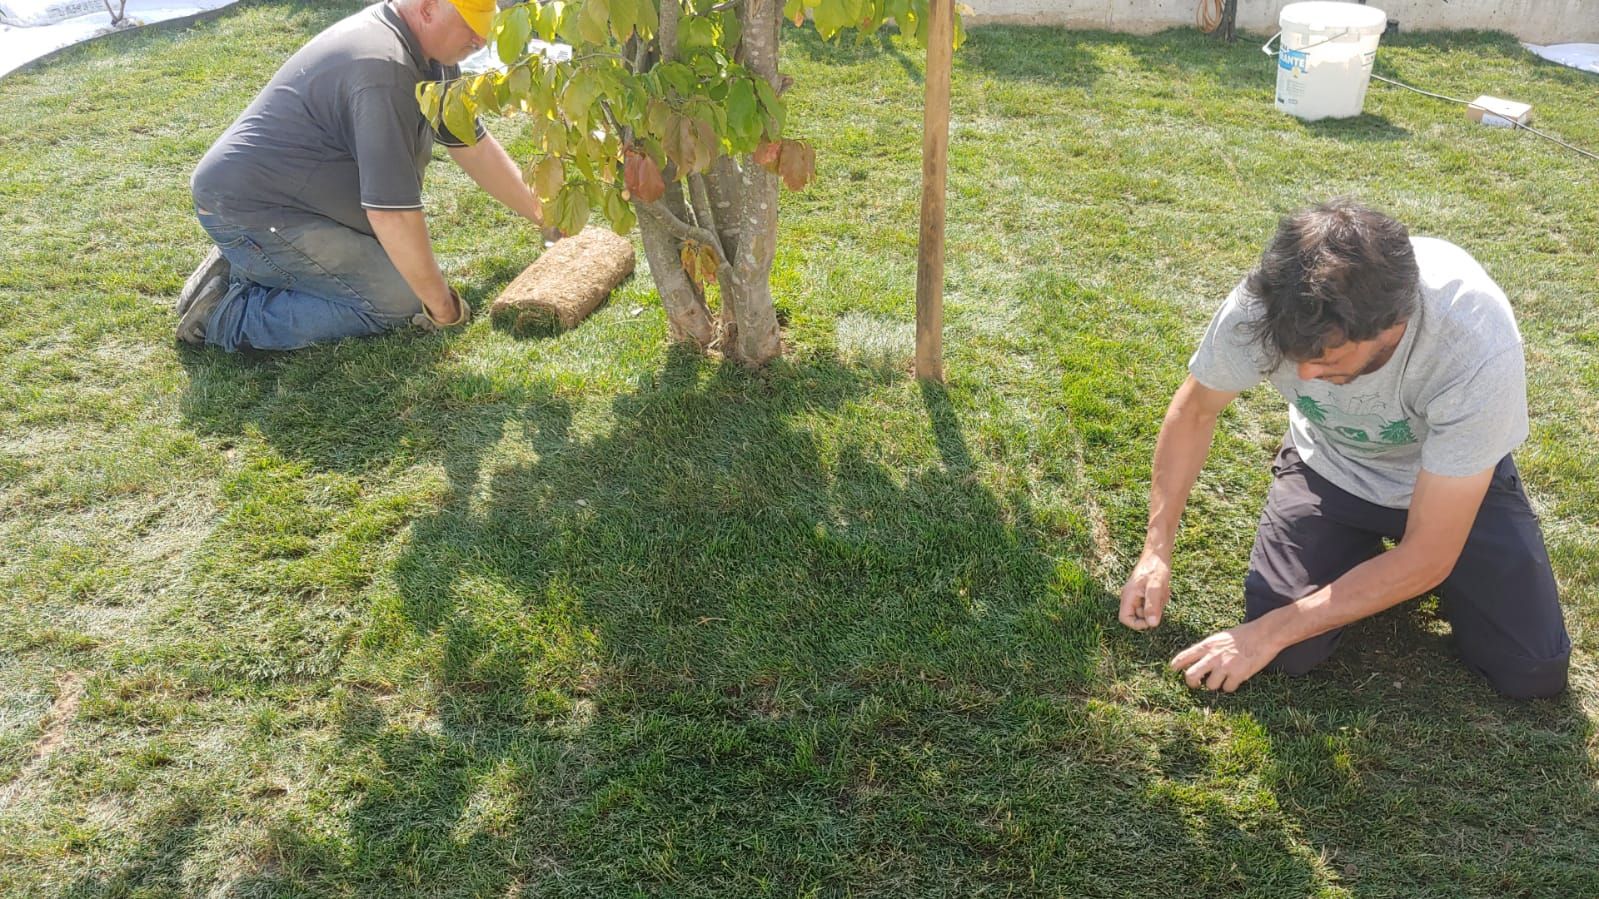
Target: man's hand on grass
(438, 316)
(1144, 598)
(1224, 660)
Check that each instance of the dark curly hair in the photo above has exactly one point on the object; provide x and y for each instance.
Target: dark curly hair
(1333, 273)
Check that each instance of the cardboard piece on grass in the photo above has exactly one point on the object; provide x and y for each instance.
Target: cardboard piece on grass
(566, 284)
(1501, 113)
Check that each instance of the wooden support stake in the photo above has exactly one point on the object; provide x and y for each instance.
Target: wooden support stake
(935, 168)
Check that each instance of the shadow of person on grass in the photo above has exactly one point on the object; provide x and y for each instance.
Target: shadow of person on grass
(718, 638)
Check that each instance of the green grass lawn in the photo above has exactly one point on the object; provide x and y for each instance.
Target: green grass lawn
(472, 615)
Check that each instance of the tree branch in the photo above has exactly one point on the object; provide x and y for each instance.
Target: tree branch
(700, 202)
(641, 56)
(684, 231)
(671, 11)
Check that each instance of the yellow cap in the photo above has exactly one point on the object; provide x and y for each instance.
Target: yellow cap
(479, 14)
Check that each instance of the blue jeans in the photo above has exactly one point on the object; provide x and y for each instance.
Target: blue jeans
(302, 283)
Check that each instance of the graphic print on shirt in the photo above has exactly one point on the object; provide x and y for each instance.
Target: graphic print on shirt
(1366, 426)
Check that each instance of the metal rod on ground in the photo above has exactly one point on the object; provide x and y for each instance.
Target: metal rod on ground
(935, 168)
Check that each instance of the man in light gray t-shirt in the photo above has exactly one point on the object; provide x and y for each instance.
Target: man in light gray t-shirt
(1402, 367)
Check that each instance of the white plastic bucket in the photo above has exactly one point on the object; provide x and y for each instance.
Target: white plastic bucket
(1324, 60)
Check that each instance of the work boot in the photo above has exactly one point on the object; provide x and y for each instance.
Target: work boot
(210, 267)
(191, 324)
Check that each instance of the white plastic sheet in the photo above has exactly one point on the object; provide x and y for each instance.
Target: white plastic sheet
(488, 59)
(33, 13)
(1578, 56)
(22, 45)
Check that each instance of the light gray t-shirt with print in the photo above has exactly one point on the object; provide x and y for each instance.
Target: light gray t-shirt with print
(1452, 400)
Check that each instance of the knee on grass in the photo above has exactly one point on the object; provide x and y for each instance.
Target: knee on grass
(1515, 677)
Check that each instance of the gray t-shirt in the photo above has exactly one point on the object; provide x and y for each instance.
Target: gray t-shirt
(1452, 400)
(336, 131)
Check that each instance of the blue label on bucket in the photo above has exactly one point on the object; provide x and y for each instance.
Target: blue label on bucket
(1293, 59)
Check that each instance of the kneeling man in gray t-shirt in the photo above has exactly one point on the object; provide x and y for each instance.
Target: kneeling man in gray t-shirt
(313, 196)
(1402, 367)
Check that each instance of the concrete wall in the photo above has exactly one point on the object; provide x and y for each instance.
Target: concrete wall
(1536, 21)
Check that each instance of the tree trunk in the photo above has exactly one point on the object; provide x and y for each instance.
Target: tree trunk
(755, 340)
(688, 320)
(725, 186)
(736, 203)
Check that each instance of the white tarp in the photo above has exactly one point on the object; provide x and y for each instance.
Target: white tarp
(1578, 56)
(22, 45)
(30, 13)
(488, 59)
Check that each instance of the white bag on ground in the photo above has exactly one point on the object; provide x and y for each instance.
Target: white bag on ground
(1578, 56)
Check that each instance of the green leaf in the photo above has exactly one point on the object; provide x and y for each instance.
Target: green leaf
(544, 85)
(514, 30)
(571, 209)
(555, 139)
(632, 100)
(428, 97)
(648, 19)
(623, 218)
(732, 31)
(695, 33)
(743, 115)
(570, 28)
(831, 17)
(592, 24)
(776, 109)
(485, 92)
(705, 144)
(678, 77)
(624, 16)
(691, 143)
(794, 11)
(460, 113)
(584, 153)
(547, 19)
(577, 100)
(549, 176)
(519, 84)
(658, 117)
(655, 150)
(914, 24)
(708, 63)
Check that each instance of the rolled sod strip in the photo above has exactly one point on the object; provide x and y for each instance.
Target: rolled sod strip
(566, 284)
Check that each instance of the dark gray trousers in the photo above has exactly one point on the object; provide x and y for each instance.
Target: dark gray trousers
(1500, 600)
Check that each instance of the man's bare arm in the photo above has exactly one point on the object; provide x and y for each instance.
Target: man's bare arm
(487, 163)
(1180, 453)
(404, 236)
(1442, 511)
